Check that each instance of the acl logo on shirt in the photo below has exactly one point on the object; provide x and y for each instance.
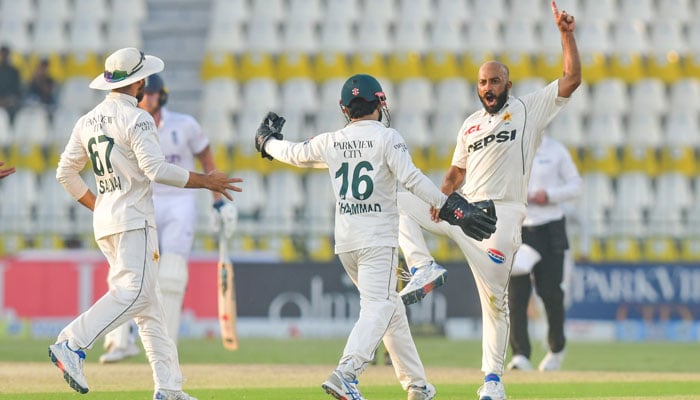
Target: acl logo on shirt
(500, 137)
(496, 256)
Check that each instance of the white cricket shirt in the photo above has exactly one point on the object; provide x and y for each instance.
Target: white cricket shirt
(365, 160)
(181, 139)
(554, 171)
(121, 143)
(497, 150)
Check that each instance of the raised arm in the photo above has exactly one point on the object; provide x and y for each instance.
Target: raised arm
(572, 63)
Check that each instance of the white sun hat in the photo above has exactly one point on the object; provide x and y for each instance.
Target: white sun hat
(126, 66)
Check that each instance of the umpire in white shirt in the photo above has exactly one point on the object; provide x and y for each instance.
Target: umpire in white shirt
(540, 259)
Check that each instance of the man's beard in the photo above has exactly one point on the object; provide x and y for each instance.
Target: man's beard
(501, 100)
(140, 93)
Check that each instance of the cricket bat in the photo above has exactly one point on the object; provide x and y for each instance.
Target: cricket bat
(226, 292)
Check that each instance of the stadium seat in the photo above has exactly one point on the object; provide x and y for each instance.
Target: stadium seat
(260, 95)
(15, 34)
(451, 11)
(385, 10)
(483, 43)
(690, 248)
(631, 44)
(20, 11)
(673, 200)
(680, 11)
(622, 249)
(649, 95)
(299, 96)
(594, 46)
(299, 37)
(225, 36)
(285, 202)
(343, 9)
(634, 196)
(567, 127)
(488, 9)
(57, 10)
(98, 10)
(123, 32)
(691, 60)
(135, 11)
(595, 202)
(319, 203)
(642, 140)
(19, 198)
(413, 127)
(307, 11)
(643, 10)
(527, 86)
(667, 46)
(234, 12)
(218, 126)
(547, 54)
(53, 213)
(220, 94)
(609, 95)
(372, 36)
(293, 66)
(660, 249)
(529, 12)
(604, 10)
(445, 44)
(519, 44)
(49, 36)
(414, 95)
(605, 136)
(262, 35)
(418, 12)
(75, 94)
(372, 63)
(32, 132)
(684, 95)
(64, 120)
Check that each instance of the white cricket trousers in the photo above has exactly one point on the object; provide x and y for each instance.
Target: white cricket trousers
(382, 316)
(490, 261)
(133, 293)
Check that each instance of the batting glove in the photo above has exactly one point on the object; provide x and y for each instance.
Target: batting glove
(225, 217)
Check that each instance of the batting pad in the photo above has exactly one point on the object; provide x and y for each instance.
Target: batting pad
(172, 279)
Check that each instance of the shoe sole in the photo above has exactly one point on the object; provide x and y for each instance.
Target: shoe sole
(418, 295)
(331, 391)
(66, 376)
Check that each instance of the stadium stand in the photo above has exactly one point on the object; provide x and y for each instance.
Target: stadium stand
(632, 126)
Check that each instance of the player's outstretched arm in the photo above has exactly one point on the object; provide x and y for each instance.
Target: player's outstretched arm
(215, 181)
(7, 171)
(571, 77)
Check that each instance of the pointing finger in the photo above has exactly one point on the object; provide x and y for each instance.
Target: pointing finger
(555, 10)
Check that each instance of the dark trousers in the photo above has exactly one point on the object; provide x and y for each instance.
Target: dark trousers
(547, 275)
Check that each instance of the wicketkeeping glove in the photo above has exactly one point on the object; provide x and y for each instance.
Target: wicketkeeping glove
(477, 220)
(225, 216)
(270, 127)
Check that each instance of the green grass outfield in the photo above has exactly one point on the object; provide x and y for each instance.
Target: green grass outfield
(265, 369)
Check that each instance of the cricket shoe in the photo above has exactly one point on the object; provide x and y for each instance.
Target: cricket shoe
(341, 388)
(552, 361)
(520, 362)
(116, 354)
(71, 363)
(426, 392)
(165, 394)
(423, 281)
(492, 390)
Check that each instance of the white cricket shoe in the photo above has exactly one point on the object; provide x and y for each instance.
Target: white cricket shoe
(341, 388)
(423, 281)
(116, 354)
(552, 361)
(164, 394)
(492, 390)
(520, 362)
(71, 363)
(426, 392)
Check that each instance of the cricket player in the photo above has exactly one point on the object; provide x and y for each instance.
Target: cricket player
(121, 143)
(366, 161)
(182, 141)
(492, 160)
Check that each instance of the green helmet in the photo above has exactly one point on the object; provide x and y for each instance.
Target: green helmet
(363, 86)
